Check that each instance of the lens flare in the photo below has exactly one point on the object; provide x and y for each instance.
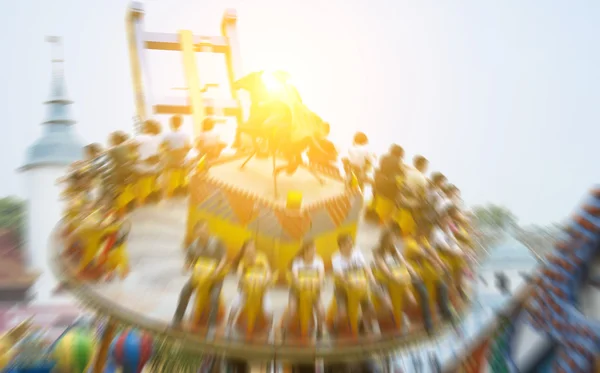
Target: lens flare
(272, 83)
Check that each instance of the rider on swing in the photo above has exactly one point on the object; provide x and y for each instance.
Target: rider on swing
(207, 247)
(306, 260)
(387, 255)
(247, 260)
(346, 259)
(359, 159)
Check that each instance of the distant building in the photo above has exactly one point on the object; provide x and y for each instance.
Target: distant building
(48, 159)
(15, 284)
(51, 320)
(27, 284)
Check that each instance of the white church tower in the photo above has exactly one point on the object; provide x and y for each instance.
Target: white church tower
(47, 159)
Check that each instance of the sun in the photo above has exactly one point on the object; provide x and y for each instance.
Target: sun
(274, 84)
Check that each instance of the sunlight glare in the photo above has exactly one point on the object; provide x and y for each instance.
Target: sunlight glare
(272, 83)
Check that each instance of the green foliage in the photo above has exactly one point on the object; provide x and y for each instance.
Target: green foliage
(494, 216)
(13, 215)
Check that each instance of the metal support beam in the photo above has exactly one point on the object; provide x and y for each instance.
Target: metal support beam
(133, 24)
(192, 78)
(188, 45)
(233, 54)
(171, 42)
(233, 58)
(182, 106)
(102, 354)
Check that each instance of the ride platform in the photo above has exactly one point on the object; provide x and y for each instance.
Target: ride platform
(241, 203)
(147, 298)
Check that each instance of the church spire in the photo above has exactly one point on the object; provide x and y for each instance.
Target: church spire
(59, 145)
(58, 103)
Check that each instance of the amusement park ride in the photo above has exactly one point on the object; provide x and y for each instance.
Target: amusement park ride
(241, 198)
(120, 254)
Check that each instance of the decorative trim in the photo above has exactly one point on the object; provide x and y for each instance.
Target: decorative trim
(264, 201)
(242, 205)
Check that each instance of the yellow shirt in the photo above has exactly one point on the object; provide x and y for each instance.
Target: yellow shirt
(260, 262)
(412, 248)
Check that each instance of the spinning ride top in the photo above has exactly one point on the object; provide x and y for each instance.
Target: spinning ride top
(240, 204)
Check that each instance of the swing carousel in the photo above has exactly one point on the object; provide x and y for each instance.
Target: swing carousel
(122, 255)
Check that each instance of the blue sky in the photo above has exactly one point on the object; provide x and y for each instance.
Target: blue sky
(501, 96)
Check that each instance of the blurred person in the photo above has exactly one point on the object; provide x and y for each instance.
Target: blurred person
(442, 236)
(249, 259)
(453, 194)
(416, 178)
(359, 159)
(387, 255)
(204, 246)
(176, 138)
(175, 148)
(395, 158)
(308, 260)
(390, 170)
(448, 247)
(82, 175)
(413, 193)
(121, 155)
(349, 258)
(436, 199)
(92, 152)
(95, 160)
(431, 269)
(208, 143)
(460, 229)
(148, 146)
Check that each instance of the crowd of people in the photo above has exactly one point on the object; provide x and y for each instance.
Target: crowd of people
(424, 224)
(129, 171)
(437, 241)
(105, 171)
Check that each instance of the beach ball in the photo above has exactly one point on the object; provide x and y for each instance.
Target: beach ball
(131, 350)
(74, 351)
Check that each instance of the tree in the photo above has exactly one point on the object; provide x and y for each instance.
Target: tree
(539, 239)
(13, 215)
(494, 216)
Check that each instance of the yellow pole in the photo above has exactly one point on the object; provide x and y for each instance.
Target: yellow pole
(233, 60)
(102, 354)
(134, 58)
(186, 39)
